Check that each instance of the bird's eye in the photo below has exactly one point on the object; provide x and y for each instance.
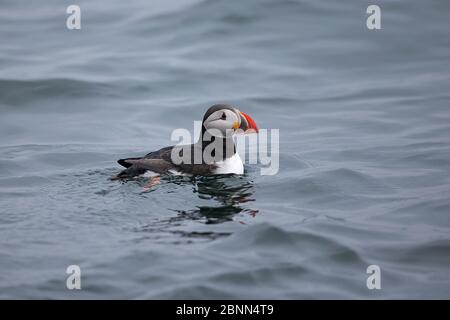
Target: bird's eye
(224, 116)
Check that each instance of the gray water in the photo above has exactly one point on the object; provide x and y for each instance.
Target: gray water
(364, 125)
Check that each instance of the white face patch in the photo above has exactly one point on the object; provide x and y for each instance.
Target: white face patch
(220, 123)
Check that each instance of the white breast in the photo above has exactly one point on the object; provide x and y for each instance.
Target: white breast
(230, 165)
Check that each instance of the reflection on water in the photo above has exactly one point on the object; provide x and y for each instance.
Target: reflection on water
(226, 198)
(229, 191)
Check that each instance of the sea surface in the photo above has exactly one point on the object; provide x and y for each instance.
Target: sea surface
(364, 175)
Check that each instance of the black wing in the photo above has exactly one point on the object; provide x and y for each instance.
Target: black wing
(156, 161)
(160, 161)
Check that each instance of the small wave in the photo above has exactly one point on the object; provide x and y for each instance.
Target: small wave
(24, 92)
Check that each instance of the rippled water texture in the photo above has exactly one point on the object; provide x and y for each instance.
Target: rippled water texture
(364, 125)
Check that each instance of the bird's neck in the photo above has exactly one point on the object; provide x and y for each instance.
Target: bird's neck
(221, 148)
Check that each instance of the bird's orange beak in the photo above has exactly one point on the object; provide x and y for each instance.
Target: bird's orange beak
(248, 125)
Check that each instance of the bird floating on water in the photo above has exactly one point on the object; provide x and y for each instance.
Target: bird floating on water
(220, 123)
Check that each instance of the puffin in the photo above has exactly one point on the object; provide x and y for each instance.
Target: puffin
(214, 152)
